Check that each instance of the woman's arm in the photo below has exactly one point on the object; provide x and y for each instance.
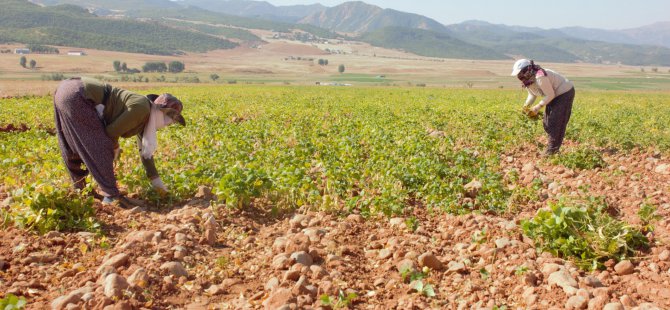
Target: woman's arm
(530, 99)
(150, 167)
(152, 173)
(148, 163)
(135, 114)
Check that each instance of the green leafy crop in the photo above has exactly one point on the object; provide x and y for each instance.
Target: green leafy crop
(44, 208)
(583, 231)
(581, 158)
(12, 302)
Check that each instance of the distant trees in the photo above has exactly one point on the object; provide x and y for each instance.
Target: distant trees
(42, 49)
(156, 66)
(159, 66)
(23, 61)
(341, 69)
(33, 64)
(151, 66)
(176, 66)
(123, 67)
(323, 62)
(53, 77)
(214, 77)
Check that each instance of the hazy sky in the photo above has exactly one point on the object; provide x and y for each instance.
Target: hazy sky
(604, 14)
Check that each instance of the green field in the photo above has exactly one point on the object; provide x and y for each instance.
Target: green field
(376, 150)
(632, 83)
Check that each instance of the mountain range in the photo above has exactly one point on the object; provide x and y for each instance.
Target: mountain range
(358, 16)
(648, 45)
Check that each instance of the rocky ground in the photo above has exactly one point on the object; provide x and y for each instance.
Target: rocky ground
(198, 256)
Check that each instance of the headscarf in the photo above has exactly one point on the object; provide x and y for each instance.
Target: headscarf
(165, 110)
(528, 75)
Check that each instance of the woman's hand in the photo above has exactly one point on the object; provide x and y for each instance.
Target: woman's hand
(159, 186)
(535, 110)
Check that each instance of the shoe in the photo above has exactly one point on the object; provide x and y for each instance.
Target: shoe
(548, 153)
(108, 200)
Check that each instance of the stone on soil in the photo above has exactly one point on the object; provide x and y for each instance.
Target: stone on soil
(664, 256)
(384, 253)
(115, 261)
(140, 236)
(564, 280)
(115, 285)
(429, 260)
(175, 268)
(456, 267)
(279, 298)
(302, 258)
(139, 278)
(472, 188)
(624, 267)
(613, 306)
(576, 302)
(662, 169)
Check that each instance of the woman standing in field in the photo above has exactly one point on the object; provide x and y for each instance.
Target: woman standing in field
(91, 116)
(558, 94)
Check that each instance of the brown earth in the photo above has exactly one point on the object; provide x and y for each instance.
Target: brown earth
(195, 256)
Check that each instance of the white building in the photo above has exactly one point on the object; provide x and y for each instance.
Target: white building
(76, 53)
(24, 51)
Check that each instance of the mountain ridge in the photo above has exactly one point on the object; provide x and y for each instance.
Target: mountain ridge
(359, 17)
(373, 24)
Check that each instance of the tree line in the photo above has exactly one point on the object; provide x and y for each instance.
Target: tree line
(151, 66)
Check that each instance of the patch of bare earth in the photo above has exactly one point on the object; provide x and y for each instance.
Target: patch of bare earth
(194, 256)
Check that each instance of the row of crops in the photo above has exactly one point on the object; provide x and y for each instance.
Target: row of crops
(376, 150)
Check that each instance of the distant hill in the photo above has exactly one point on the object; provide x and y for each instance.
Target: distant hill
(69, 25)
(161, 9)
(555, 45)
(360, 17)
(654, 34)
(428, 43)
(257, 9)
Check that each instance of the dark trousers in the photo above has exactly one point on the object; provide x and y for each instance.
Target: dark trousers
(82, 138)
(556, 117)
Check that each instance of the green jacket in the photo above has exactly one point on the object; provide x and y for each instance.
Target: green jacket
(125, 114)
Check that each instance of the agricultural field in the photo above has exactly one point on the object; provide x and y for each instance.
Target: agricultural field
(350, 197)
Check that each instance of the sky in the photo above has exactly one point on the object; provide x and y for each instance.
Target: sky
(602, 14)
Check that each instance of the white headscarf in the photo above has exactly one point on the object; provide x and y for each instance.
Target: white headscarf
(157, 120)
